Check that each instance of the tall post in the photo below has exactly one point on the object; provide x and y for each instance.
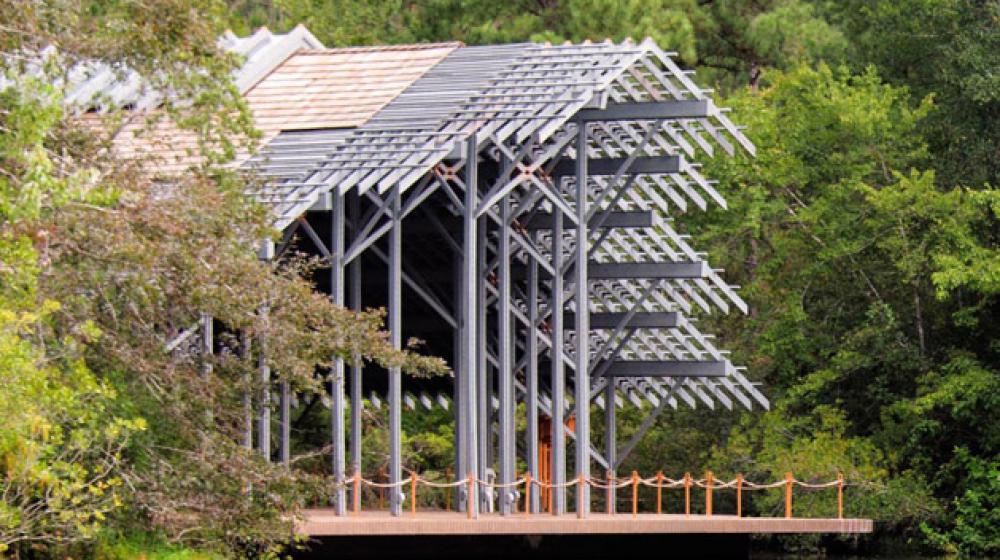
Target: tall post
(458, 399)
(470, 356)
(264, 372)
(531, 400)
(207, 351)
(395, 334)
(284, 422)
(505, 349)
(582, 298)
(610, 437)
(558, 383)
(247, 394)
(354, 295)
(483, 405)
(337, 233)
(207, 343)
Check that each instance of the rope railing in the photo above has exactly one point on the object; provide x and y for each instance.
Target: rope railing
(661, 482)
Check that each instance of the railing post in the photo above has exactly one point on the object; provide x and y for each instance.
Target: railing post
(788, 494)
(381, 491)
(527, 493)
(447, 492)
(471, 489)
(610, 493)
(687, 494)
(708, 494)
(659, 492)
(840, 495)
(413, 492)
(579, 503)
(357, 492)
(739, 494)
(635, 493)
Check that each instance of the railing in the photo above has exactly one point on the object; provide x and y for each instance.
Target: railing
(609, 484)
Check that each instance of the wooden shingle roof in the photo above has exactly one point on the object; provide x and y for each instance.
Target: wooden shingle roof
(336, 88)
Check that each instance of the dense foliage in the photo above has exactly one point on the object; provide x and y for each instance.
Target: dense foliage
(865, 236)
(105, 431)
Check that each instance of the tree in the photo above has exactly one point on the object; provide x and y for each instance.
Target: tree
(106, 428)
(948, 48)
(60, 444)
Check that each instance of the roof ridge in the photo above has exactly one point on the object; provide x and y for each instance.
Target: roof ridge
(384, 48)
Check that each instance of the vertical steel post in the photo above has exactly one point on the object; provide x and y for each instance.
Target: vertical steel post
(531, 399)
(337, 234)
(610, 438)
(264, 371)
(505, 349)
(483, 405)
(284, 422)
(470, 355)
(396, 337)
(458, 399)
(354, 296)
(207, 350)
(247, 394)
(207, 342)
(582, 298)
(558, 383)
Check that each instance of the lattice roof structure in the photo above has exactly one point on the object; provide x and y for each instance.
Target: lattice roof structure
(523, 197)
(527, 178)
(477, 88)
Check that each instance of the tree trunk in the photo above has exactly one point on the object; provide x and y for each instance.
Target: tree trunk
(919, 317)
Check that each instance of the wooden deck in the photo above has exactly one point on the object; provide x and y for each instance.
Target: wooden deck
(323, 523)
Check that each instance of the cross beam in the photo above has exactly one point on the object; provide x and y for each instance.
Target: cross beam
(611, 166)
(636, 219)
(639, 320)
(635, 270)
(648, 110)
(656, 368)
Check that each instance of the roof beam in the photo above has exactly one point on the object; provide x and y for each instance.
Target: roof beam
(648, 110)
(670, 270)
(634, 270)
(653, 368)
(633, 219)
(639, 320)
(611, 166)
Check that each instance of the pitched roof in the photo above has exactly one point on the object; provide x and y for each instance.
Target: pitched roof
(307, 88)
(336, 88)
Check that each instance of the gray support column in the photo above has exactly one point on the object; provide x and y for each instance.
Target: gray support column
(264, 418)
(531, 399)
(470, 355)
(207, 343)
(558, 383)
(483, 407)
(505, 375)
(459, 402)
(396, 337)
(284, 423)
(338, 231)
(264, 372)
(247, 394)
(610, 436)
(582, 298)
(207, 350)
(354, 295)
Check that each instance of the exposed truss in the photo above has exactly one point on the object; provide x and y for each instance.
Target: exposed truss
(562, 167)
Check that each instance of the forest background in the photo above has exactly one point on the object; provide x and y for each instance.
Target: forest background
(864, 236)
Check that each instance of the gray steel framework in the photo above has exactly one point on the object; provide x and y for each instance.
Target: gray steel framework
(550, 175)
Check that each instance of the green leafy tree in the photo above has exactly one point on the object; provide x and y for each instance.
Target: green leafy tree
(60, 444)
(101, 266)
(948, 48)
